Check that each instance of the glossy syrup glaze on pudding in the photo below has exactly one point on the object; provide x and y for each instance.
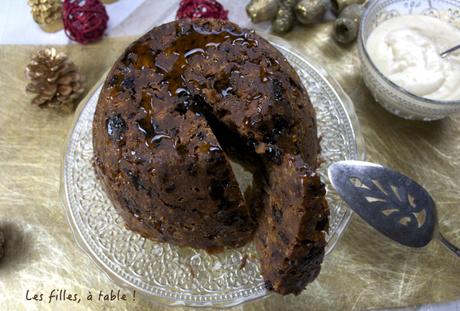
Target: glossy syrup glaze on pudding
(181, 102)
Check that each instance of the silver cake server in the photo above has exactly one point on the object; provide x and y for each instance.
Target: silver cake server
(389, 201)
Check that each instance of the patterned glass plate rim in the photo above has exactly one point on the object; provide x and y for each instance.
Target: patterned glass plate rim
(182, 276)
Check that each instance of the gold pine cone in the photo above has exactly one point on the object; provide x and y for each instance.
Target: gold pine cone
(47, 13)
(55, 79)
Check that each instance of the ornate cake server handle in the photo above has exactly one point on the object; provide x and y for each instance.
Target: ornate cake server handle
(448, 244)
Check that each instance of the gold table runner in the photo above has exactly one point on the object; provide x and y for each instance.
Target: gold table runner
(364, 271)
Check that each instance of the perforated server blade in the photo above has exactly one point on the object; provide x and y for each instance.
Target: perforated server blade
(389, 201)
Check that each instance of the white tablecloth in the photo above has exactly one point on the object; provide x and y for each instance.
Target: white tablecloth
(18, 27)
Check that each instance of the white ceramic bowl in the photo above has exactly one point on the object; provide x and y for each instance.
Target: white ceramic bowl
(392, 97)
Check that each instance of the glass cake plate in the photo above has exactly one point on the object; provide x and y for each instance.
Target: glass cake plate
(172, 275)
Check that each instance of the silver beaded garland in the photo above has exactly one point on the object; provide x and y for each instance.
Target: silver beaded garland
(284, 20)
(289, 3)
(284, 14)
(311, 11)
(347, 24)
(262, 10)
(339, 5)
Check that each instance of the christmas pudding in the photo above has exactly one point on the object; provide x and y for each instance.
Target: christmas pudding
(181, 103)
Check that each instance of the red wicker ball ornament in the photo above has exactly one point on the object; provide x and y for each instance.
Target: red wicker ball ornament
(201, 9)
(84, 20)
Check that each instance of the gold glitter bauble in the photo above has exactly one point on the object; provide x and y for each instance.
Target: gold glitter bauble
(47, 14)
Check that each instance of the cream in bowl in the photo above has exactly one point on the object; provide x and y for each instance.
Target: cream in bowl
(406, 49)
(399, 48)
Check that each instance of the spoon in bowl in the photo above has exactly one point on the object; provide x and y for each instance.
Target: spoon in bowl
(450, 50)
(389, 201)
